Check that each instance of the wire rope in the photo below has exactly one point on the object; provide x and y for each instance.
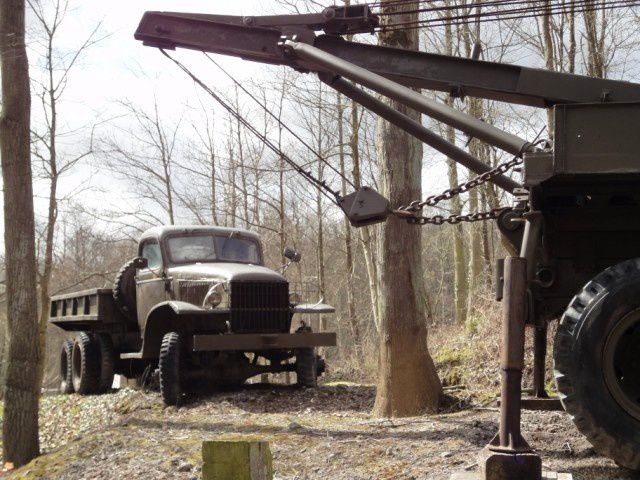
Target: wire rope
(321, 185)
(280, 122)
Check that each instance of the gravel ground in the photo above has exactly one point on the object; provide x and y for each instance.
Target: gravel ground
(326, 433)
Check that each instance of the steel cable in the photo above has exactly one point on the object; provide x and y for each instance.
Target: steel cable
(280, 122)
(321, 185)
(506, 14)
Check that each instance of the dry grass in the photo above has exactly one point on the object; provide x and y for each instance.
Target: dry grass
(467, 356)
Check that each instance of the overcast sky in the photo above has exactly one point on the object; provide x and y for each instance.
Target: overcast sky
(121, 68)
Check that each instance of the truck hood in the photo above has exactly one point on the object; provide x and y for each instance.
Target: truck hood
(225, 272)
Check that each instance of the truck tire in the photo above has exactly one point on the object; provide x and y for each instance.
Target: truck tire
(596, 362)
(306, 367)
(85, 364)
(124, 290)
(66, 381)
(107, 362)
(170, 367)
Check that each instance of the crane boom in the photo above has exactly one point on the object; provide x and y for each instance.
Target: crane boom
(257, 39)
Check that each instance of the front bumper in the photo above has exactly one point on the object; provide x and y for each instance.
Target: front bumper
(247, 342)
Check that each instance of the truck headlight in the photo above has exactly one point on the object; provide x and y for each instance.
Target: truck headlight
(214, 296)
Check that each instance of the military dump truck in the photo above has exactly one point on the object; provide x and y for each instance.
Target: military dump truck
(195, 309)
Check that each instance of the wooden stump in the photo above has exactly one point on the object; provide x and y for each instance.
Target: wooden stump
(236, 460)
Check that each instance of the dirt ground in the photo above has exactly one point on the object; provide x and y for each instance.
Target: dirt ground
(326, 433)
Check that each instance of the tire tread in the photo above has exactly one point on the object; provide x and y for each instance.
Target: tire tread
(623, 454)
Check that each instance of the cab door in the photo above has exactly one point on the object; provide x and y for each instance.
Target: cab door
(150, 281)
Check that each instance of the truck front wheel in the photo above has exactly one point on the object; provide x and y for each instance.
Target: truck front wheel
(306, 367)
(66, 381)
(85, 366)
(597, 366)
(170, 366)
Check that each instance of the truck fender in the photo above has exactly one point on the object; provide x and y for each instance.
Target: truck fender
(163, 318)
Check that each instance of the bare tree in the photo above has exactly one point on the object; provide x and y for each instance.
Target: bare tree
(53, 163)
(144, 156)
(22, 389)
(348, 241)
(460, 279)
(407, 380)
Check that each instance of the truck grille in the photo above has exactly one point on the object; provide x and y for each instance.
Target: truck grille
(194, 291)
(260, 307)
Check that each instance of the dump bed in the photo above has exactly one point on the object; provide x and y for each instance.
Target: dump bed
(92, 309)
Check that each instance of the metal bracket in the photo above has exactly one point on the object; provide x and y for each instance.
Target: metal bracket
(365, 207)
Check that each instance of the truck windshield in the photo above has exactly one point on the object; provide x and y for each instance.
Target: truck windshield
(212, 248)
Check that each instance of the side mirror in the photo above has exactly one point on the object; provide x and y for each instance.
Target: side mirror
(291, 254)
(140, 262)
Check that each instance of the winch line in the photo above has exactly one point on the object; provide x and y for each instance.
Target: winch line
(321, 185)
(495, 16)
(280, 122)
(471, 5)
(504, 14)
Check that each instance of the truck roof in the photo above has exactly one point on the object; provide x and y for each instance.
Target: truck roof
(164, 230)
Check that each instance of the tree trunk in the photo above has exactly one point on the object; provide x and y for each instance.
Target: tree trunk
(243, 173)
(549, 57)
(595, 36)
(212, 170)
(320, 249)
(348, 242)
(460, 284)
(20, 427)
(52, 214)
(365, 232)
(407, 380)
(232, 181)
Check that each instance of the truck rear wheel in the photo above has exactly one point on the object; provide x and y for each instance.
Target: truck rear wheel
(170, 366)
(597, 366)
(85, 364)
(306, 367)
(66, 381)
(107, 362)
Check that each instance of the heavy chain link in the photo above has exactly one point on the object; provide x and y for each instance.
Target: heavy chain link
(411, 211)
(452, 219)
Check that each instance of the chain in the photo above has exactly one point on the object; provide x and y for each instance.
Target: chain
(451, 219)
(411, 211)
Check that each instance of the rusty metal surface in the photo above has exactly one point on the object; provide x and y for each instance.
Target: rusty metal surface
(509, 466)
(509, 439)
(230, 35)
(538, 404)
(250, 342)
(420, 132)
(73, 310)
(539, 361)
(467, 123)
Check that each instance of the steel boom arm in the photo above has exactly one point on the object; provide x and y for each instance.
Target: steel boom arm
(256, 38)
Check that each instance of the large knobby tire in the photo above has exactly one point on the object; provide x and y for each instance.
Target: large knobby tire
(170, 367)
(124, 290)
(597, 362)
(306, 367)
(85, 360)
(107, 362)
(66, 380)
